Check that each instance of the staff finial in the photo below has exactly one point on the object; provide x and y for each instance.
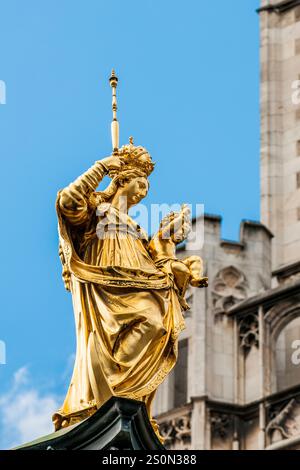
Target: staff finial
(113, 80)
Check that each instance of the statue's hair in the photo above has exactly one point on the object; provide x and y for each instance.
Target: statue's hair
(104, 196)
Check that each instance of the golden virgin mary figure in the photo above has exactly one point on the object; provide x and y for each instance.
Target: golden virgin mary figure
(127, 291)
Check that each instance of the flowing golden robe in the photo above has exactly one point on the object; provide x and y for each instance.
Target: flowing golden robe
(127, 313)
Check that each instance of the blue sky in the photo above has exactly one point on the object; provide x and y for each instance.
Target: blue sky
(188, 91)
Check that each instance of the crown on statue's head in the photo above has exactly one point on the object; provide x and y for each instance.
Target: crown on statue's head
(134, 158)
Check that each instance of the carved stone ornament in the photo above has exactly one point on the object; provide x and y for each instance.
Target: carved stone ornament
(284, 420)
(176, 431)
(229, 287)
(249, 331)
(220, 424)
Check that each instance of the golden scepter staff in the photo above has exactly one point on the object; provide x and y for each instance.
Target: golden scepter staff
(113, 80)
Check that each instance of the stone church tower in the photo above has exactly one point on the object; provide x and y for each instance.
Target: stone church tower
(280, 127)
(237, 382)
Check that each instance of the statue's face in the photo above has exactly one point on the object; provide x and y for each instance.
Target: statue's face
(136, 189)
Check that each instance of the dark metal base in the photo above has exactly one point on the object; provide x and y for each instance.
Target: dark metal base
(120, 424)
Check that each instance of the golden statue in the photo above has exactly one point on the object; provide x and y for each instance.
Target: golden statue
(128, 293)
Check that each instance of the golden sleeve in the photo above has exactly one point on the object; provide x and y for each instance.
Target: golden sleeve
(73, 200)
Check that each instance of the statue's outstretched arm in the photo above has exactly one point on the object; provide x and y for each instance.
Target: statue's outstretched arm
(73, 200)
